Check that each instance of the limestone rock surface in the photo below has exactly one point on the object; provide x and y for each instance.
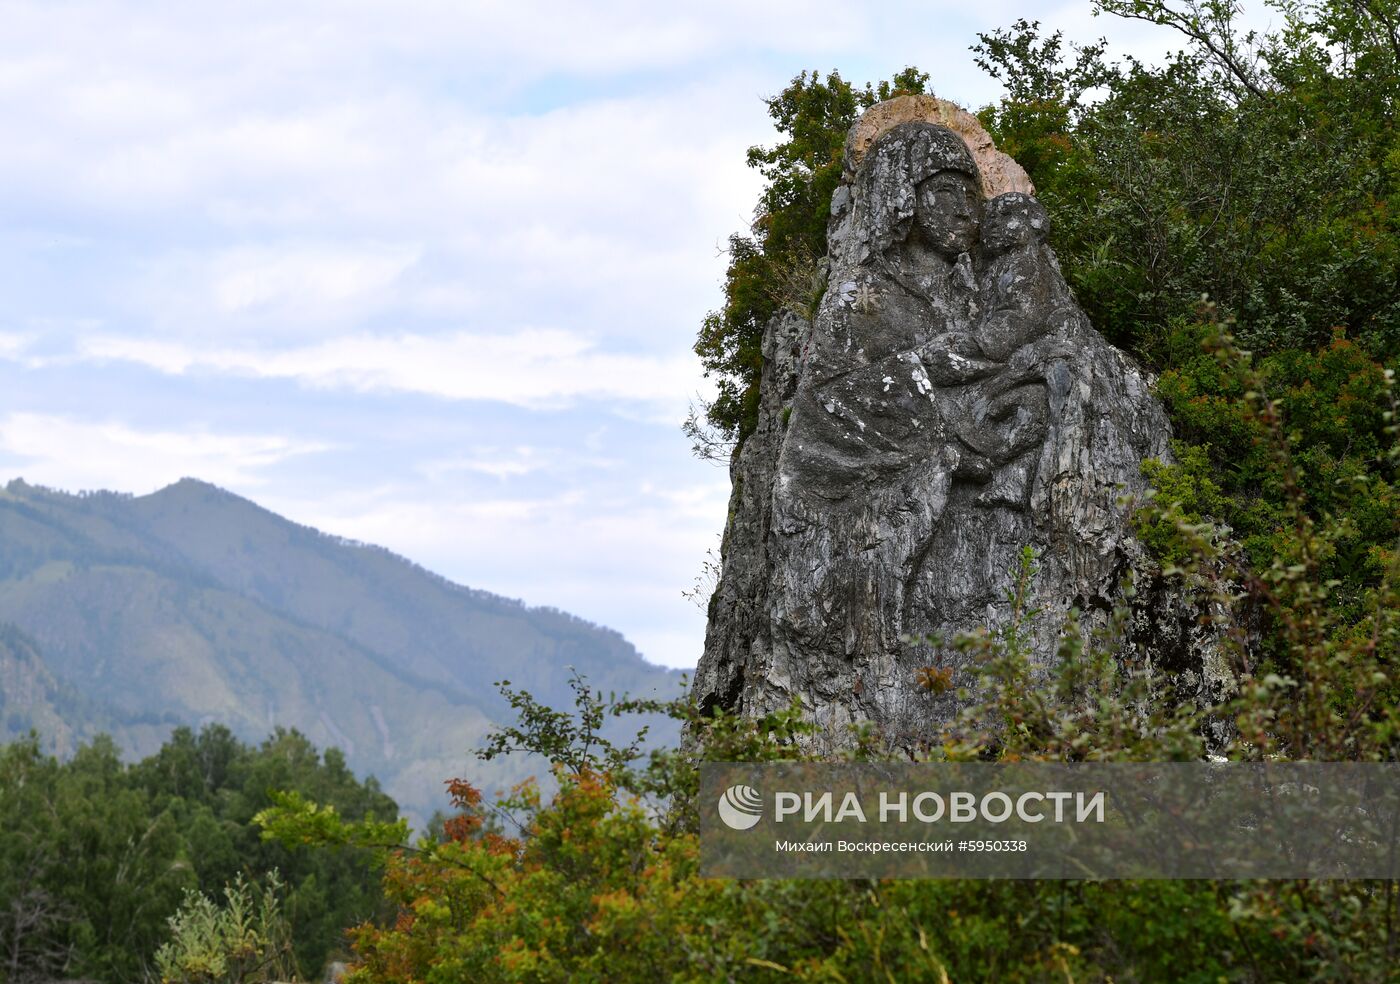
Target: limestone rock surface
(948, 404)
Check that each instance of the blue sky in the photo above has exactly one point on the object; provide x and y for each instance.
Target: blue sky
(422, 273)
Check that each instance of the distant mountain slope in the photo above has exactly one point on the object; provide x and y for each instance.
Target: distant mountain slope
(193, 605)
(32, 698)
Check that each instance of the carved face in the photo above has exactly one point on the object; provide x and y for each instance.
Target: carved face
(946, 212)
(1010, 221)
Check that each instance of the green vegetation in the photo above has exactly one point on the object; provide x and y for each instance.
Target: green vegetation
(98, 856)
(602, 884)
(1262, 174)
(246, 939)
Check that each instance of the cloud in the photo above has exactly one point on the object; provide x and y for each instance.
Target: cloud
(398, 211)
(534, 368)
(282, 289)
(312, 278)
(12, 345)
(69, 453)
(499, 464)
(504, 464)
(266, 46)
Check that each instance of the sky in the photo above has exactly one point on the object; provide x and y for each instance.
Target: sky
(420, 273)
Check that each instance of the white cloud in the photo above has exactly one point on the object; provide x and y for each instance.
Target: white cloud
(314, 222)
(531, 368)
(11, 345)
(310, 278)
(69, 453)
(499, 464)
(284, 289)
(504, 464)
(260, 46)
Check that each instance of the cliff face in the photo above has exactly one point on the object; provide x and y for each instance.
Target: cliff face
(948, 405)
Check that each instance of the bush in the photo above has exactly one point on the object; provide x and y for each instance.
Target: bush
(247, 940)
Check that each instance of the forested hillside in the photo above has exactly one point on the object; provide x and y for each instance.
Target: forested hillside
(192, 605)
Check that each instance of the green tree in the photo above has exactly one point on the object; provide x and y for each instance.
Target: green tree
(37, 920)
(215, 785)
(1257, 170)
(97, 854)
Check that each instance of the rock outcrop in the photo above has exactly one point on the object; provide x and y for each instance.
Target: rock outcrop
(948, 405)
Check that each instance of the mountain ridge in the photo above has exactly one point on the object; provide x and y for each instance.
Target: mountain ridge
(199, 604)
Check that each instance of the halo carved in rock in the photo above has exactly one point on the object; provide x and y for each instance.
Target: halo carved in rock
(1000, 173)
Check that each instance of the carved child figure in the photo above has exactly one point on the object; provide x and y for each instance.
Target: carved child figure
(1008, 413)
(1016, 297)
